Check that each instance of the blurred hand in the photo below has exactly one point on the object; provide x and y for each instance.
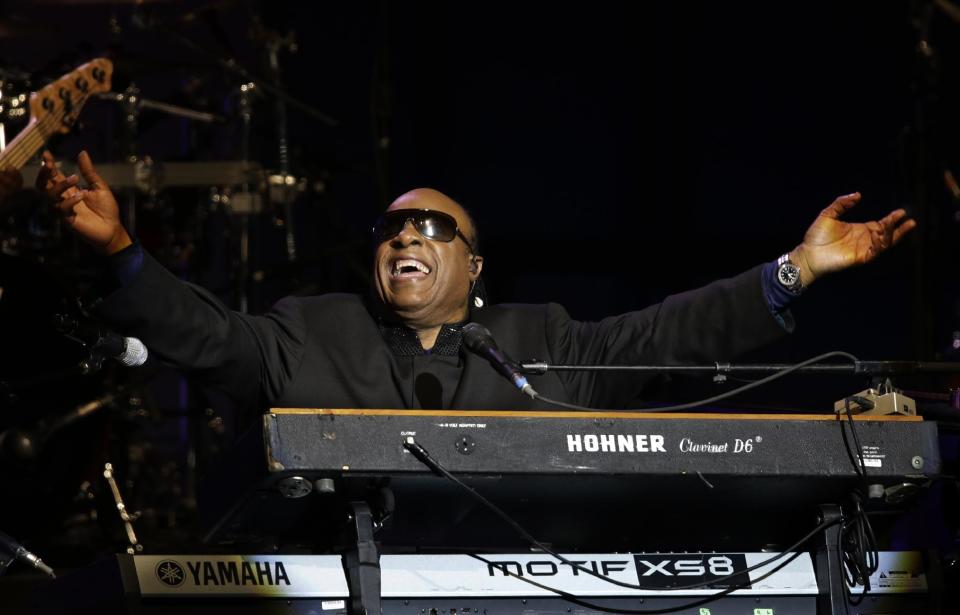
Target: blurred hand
(92, 213)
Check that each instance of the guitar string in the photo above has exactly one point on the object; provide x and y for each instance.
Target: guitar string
(25, 148)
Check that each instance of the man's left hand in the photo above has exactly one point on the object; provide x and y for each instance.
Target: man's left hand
(831, 244)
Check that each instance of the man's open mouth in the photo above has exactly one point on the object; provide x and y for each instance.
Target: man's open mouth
(409, 268)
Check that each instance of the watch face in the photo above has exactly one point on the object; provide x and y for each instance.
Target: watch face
(789, 275)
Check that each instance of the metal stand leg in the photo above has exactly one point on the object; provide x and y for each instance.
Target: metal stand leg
(363, 565)
(830, 579)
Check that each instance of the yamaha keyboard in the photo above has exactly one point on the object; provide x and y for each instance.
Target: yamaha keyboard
(469, 584)
(603, 480)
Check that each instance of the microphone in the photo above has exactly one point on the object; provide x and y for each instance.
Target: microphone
(479, 341)
(20, 552)
(128, 350)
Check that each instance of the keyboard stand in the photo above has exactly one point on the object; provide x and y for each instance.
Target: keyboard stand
(362, 564)
(829, 566)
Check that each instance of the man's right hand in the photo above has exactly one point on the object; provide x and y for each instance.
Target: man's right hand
(92, 213)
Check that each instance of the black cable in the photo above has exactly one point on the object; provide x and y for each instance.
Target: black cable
(715, 398)
(854, 455)
(857, 546)
(421, 454)
(856, 541)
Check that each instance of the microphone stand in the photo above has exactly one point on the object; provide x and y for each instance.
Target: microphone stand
(877, 369)
(721, 370)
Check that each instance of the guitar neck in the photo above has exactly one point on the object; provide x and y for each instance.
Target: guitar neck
(24, 146)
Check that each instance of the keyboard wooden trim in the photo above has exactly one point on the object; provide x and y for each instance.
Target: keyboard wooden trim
(549, 414)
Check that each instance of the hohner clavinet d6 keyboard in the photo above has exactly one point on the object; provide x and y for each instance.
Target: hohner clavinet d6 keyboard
(614, 480)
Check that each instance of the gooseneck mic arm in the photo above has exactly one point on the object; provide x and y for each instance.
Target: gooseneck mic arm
(479, 341)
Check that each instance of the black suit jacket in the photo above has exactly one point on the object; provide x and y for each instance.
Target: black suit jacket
(328, 351)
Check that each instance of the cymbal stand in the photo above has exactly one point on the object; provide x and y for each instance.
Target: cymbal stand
(248, 204)
(129, 104)
(284, 192)
(254, 84)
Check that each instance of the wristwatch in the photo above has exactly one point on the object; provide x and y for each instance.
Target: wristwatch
(788, 275)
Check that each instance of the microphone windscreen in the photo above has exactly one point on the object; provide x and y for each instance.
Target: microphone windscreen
(134, 353)
(476, 336)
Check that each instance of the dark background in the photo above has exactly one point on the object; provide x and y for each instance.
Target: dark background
(612, 153)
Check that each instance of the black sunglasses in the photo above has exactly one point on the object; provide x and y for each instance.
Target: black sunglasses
(434, 225)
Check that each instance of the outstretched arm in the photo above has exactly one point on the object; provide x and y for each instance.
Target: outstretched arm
(251, 357)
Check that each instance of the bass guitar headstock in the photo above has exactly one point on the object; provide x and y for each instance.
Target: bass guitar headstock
(55, 107)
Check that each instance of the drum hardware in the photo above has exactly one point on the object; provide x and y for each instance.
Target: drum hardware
(231, 66)
(144, 179)
(82, 411)
(28, 444)
(16, 106)
(251, 85)
(244, 203)
(237, 202)
(149, 176)
(247, 202)
(284, 187)
(281, 190)
(281, 185)
(13, 108)
(132, 102)
(126, 517)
